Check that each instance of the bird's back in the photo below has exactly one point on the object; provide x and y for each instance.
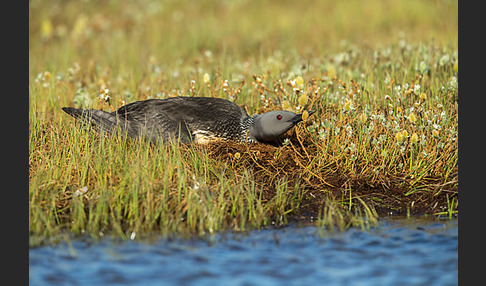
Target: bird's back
(199, 119)
(188, 118)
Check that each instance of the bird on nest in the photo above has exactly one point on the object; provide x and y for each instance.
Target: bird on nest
(189, 119)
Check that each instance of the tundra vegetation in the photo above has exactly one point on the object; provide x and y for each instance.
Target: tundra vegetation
(382, 77)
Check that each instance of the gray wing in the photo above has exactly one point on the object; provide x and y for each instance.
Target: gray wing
(180, 117)
(151, 120)
(176, 117)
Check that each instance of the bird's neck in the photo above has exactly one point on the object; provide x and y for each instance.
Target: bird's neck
(246, 126)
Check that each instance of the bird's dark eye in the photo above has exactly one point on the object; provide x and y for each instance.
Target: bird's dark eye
(279, 117)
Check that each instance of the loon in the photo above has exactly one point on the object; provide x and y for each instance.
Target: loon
(189, 119)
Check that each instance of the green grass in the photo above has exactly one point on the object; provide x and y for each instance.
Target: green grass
(370, 71)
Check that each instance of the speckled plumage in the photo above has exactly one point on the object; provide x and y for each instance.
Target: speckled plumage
(188, 119)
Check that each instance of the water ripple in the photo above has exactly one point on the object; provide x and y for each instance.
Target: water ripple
(405, 251)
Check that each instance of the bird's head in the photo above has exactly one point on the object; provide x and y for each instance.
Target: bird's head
(269, 126)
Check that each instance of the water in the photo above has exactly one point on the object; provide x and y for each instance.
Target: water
(397, 252)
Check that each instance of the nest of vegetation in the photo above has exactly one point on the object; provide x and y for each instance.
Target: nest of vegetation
(300, 162)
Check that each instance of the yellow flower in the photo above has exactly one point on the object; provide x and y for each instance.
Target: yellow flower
(47, 75)
(414, 139)
(80, 26)
(303, 100)
(237, 155)
(207, 79)
(331, 70)
(286, 105)
(305, 115)
(399, 137)
(435, 133)
(46, 28)
(412, 118)
(362, 118)
(348, 105)
(405, 133)
(423, 96)
(299, 82)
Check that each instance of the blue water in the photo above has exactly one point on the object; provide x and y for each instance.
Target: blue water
(396, 252)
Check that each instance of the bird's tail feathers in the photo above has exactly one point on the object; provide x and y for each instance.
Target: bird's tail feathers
(98, 119)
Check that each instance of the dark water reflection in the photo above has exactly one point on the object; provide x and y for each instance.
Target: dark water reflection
(397, 252)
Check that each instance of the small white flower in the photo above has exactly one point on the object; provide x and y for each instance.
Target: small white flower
(444, 60)
(81, 191)
(416, 89)
(322, 134)
(349, 131)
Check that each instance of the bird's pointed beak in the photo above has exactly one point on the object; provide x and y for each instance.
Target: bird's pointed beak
(298, 117)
